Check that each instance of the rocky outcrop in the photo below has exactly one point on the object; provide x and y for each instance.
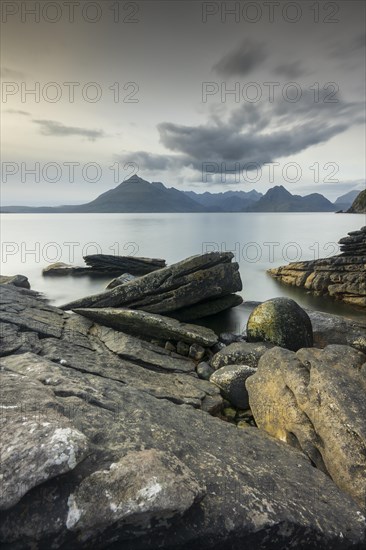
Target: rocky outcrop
(150, 325)
(192, 282)
(315, 401)
(130, 457)
(105, 264)
(280, 321)
(359, 204)
(16, 280)
(342, 277)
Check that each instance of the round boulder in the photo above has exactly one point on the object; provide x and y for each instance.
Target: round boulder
(282, 322)
(231, 381)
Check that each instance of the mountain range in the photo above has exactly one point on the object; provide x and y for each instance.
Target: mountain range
(138, 195)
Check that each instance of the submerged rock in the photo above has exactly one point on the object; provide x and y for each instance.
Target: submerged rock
(282, 322)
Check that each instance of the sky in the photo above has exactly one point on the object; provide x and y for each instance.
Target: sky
(203, 96)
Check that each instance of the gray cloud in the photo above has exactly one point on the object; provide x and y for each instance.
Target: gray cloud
(253, 133)
(53, 128)
(17, 112)
(291, 70)
(6, 72)
(241, 60)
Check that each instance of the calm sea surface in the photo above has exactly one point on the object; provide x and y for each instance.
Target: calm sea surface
(259, 241)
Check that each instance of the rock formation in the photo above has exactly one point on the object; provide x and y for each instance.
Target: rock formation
(108, 445)
(182, 290)
(342, 277)
(315, 401)
(359, 204)
(105, 264)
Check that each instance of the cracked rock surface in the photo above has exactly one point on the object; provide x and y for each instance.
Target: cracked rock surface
(315, 400)
(131, 457)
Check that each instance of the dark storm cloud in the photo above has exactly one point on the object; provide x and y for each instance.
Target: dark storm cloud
(53, 128)
(241, 60)
(254, 133)
(354, 45)
(17, 112)
(290, 70)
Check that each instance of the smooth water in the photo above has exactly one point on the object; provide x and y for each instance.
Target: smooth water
(259, 241)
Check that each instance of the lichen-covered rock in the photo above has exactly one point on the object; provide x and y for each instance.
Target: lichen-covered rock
(231, 381)
(240, 353)
(315, 401)
(282, 322)
(124, 278)
(141, 488)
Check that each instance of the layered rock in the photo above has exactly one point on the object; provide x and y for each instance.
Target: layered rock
(106, 264)
(195, 281)
(140, 464)
(342, 277)
(150, 325)
(315, 400)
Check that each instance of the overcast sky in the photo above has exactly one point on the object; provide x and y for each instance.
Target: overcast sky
(163, 72)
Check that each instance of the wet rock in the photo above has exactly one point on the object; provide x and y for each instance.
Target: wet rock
(342, 277)
(196, 352)
(204, 370)
(231, 381)
(183, 348)
(282, 322)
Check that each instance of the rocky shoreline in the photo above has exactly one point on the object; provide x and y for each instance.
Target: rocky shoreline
(123, 426)
(342, 277)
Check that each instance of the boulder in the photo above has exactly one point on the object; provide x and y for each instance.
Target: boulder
(16, 280)
(150, 325)
(231, 381)
(282, 322)
(194, 280)
(240, 353)
(315, 400)
(343, 277)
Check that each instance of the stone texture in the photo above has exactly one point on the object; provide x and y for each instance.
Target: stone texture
(124, 278)
(315, 400)
(16, 280)
(342, 277)
(186, 283)
(231, 381)
(282, 322)
(150, 325)
(244, 353)
(234, 487)
(123, 264)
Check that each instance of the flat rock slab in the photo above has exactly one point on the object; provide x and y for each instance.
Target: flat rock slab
(315, 399)
(151, 325)
(122, 264)
(33, 450)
